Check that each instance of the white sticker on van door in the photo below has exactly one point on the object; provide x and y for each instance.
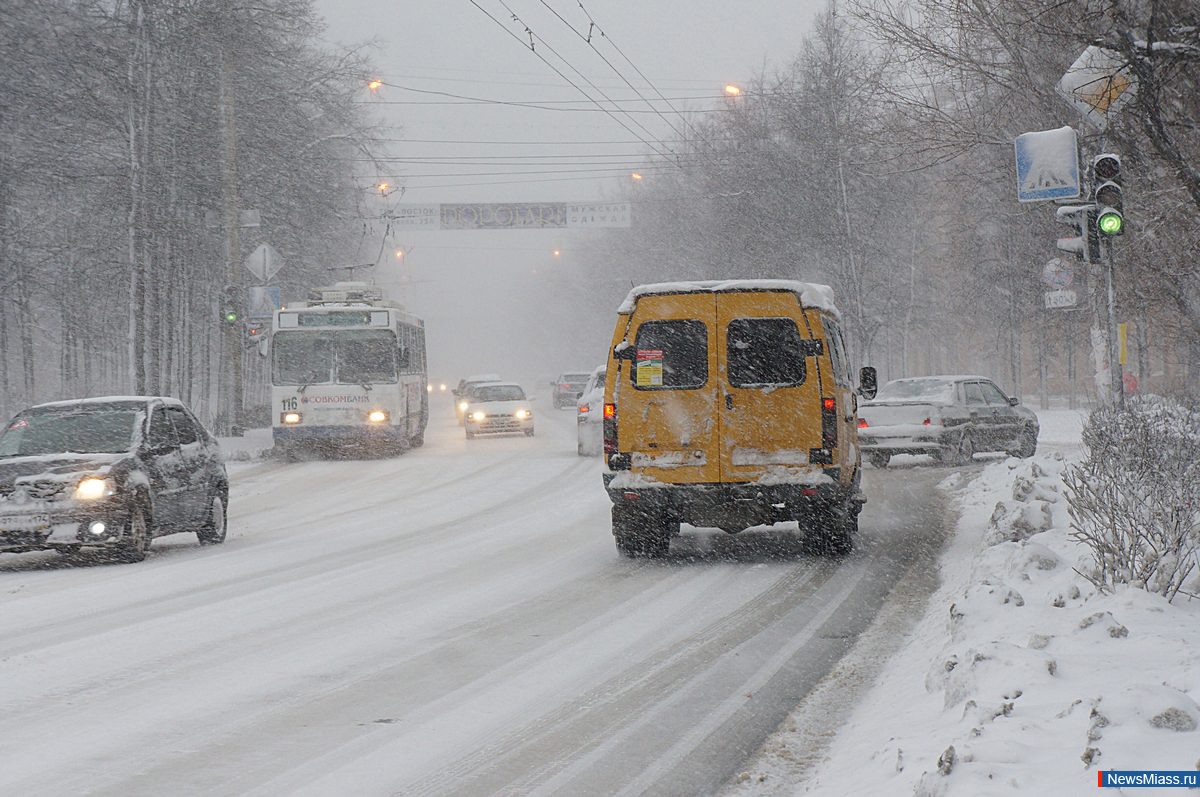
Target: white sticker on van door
(754, 456)
(669, 459)
(649, 367)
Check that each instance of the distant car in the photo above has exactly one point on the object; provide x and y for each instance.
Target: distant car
(499, 408)
(463, 391)
(589, 411)
(568, 387)
(109, 473)
(950, 418)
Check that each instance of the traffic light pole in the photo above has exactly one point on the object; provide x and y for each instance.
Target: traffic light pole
(1116, 378)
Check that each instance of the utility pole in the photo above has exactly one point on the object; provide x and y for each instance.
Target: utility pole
(231, 359)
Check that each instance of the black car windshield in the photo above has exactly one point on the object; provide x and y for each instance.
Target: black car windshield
(499, 393)
(98, 432)
(939, 390)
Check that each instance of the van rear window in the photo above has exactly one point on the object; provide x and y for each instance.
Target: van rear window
(764, 352)
(672, 355)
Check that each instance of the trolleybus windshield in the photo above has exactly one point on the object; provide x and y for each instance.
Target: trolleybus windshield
(345, 357)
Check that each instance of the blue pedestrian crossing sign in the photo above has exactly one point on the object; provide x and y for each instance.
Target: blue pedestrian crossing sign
(264, 301)
(1047, 165)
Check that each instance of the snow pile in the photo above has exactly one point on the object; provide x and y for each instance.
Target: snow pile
(1021, 677)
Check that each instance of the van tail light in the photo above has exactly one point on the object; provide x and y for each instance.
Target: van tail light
(829, 433)
(610, 429)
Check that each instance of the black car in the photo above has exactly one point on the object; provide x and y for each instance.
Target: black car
(569, 387)
(109, 473)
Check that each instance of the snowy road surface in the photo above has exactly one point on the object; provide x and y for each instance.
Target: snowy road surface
(452, 621)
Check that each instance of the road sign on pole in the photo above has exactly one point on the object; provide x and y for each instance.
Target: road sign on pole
(264, 262)
(1047, 165)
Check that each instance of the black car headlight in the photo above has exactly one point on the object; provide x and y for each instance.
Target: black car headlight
(93, 488)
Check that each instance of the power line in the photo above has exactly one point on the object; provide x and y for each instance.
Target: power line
(588, 39)
(653, 145)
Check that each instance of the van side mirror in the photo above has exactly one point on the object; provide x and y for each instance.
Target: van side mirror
(623, 351)
(868, 382)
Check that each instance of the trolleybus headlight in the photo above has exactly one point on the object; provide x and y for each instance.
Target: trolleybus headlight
(289, 418)
(92, 488)
(377, 416)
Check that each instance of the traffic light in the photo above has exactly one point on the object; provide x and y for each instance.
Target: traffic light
(231, 311)
(1106, 171)
(1081, 219)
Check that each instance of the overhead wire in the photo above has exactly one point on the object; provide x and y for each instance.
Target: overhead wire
(657, 146)
(588, 39)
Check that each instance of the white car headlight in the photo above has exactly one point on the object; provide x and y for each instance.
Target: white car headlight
(522, 414)
(478, 415)
(92, 488)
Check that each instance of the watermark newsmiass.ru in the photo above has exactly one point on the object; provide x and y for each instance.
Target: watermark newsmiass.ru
(1134, 777)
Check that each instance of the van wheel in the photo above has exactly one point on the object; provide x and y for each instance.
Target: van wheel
(640, 534)
(879, 459)
(832, 531)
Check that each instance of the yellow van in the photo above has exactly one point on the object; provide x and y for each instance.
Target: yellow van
(728, 405)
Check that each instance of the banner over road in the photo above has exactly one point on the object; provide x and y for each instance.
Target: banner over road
(511, 216)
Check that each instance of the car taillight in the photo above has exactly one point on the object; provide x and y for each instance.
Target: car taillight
(928, 422)
(862, 423)
(583, 409)
(829, 423)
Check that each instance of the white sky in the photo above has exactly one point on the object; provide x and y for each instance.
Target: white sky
(428, 49)
(469, 285)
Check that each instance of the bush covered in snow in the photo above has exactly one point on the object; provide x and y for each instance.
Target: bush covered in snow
(1135, 499)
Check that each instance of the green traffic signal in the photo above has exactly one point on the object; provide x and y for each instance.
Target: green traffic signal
(1110, 222)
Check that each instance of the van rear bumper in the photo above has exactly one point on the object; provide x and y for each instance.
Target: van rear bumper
(737, 506)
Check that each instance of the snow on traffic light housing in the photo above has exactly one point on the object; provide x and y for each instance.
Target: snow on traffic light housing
(230, 313)
(1110, 217)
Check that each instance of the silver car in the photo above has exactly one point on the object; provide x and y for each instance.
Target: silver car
(590, 415)
(949, 418)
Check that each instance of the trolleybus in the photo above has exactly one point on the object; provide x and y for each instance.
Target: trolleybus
(348, 371)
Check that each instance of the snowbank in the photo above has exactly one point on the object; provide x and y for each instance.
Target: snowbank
(1021, 677)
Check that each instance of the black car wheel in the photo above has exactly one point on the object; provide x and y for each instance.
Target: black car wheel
(135, 542)
(965, 453)
(213, 530)
(1027, 444)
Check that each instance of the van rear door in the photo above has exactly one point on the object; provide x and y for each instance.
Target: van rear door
(770, 387)
(668, 395)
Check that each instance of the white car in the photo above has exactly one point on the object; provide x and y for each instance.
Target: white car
(590, 415)
(498, 408)
(462, 393)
